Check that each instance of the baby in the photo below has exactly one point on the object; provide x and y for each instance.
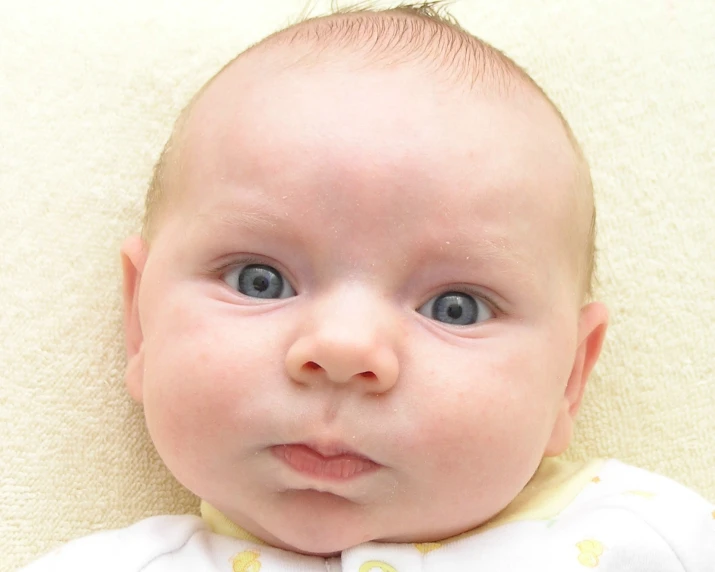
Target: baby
(359, 321)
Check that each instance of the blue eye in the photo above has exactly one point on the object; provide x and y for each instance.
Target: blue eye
(456, 308)
(259, 281)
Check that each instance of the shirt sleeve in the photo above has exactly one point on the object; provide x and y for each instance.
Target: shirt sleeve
(679, 523)
(123, 550)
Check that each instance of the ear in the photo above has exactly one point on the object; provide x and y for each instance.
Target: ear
(134, 254)
(592, 325)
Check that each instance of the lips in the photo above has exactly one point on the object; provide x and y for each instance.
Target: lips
(330, 462)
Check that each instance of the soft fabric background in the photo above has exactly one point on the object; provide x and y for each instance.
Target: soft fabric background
(88, 92)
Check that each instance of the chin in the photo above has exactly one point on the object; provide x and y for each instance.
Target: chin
(318, 524)
(323, 547)
(330, 541)
(327, 540)
(317, 552)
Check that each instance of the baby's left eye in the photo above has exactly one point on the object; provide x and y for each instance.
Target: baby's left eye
(259, 281)
(456, 308)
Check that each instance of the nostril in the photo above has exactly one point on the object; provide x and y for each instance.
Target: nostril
(367, 375)
(312, 366)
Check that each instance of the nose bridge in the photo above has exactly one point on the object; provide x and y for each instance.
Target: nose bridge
(353, 315)
(350, 335)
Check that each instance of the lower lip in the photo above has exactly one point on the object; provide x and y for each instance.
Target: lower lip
(307, 461)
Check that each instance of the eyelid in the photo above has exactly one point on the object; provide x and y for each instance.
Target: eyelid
(227, 263)
(473, 291)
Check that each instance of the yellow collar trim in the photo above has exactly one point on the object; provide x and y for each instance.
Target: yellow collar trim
(552, 488)
(222, 525)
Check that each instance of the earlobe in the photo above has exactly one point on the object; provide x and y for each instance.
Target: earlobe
(593, 322)
(134, 254)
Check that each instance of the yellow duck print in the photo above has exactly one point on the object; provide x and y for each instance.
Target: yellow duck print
(246, 561)
(589, 552)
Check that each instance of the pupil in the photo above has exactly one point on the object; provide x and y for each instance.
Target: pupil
(454, 311)
(260, 283)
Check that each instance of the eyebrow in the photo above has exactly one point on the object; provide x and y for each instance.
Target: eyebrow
(461, 247)
(487, 248)
(495, 255)
(490, 249)
(498, 248)
(232, 217)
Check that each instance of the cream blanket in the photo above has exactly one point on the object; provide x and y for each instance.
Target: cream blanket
(88, 92)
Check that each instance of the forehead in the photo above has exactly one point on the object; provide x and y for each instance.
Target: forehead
(389, 115)
(390, 145)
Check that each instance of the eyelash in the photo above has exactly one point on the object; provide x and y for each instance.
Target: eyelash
(249, 259)
(475, 293)
(222, 267)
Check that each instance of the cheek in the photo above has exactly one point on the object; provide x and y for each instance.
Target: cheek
(207, 379)
(488, 399)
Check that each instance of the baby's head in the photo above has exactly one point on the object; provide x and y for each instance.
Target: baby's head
(358, 310)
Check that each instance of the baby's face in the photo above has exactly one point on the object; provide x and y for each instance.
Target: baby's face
(358, 317)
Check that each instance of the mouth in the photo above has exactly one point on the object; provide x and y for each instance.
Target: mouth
(330, 462)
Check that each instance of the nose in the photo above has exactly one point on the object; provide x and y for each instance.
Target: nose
(350, 339)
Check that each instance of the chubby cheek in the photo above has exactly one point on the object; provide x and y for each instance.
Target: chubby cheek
(486, 413)
(205, 384)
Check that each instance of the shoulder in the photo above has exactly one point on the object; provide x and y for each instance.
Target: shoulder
(653, 496)
(617, 517)
(643, 515)
(125, 549)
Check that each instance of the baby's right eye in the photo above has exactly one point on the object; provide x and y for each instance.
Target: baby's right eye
(456, 309)
(259, 281)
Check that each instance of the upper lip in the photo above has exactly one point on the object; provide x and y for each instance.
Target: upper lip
(332, 449)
